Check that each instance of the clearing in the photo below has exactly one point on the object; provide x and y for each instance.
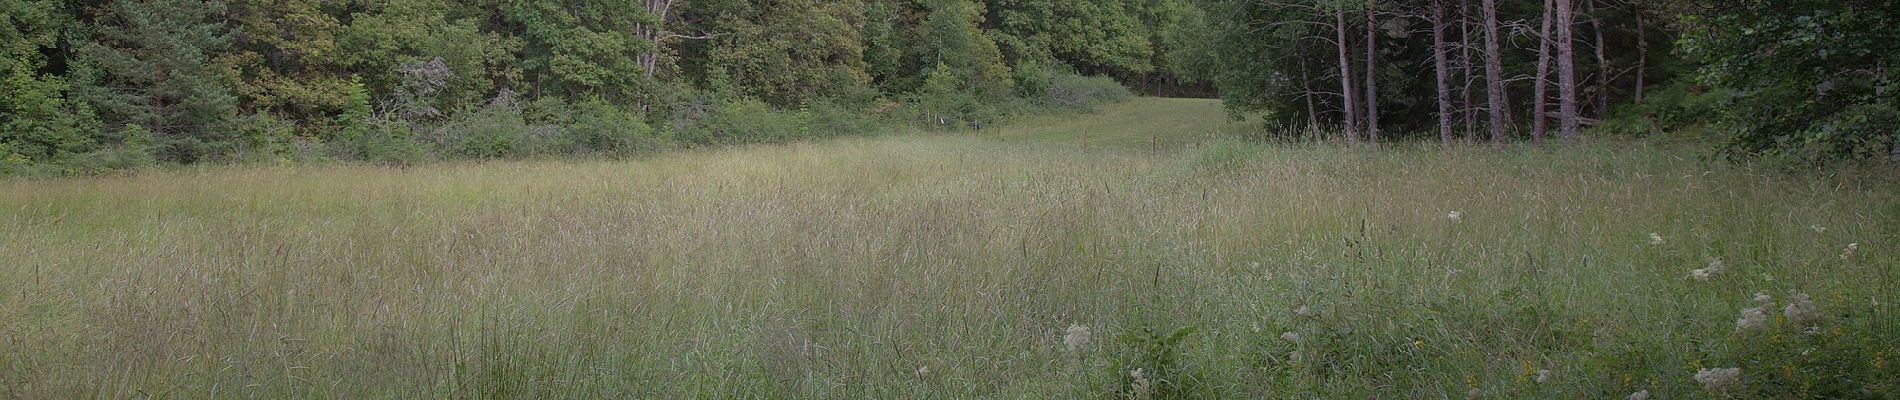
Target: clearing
(1051, 258)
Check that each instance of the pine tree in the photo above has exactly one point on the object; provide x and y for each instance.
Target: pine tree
(157, 72)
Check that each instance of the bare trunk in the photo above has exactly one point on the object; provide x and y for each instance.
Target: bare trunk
(1306, 87)
(1443, 71)
(1494, 72)
(1642, 48)
(1603, 62)
(1347, 105)
(652, 34)
(1469, 112)
(1372, 80)
(1566, 70)
(1540, 86)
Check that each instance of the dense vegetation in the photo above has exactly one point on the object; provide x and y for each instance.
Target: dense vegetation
(92, 85)
(1802, 80)
(97, 85)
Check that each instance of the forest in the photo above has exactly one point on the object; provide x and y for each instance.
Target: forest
(92, 86)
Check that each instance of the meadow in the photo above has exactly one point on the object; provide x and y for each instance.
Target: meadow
(1140, 252)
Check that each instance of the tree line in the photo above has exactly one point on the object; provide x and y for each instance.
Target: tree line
(1803, 80)
(101, 84)
(91, 85)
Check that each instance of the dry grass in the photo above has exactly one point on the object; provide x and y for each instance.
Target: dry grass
(946, 267)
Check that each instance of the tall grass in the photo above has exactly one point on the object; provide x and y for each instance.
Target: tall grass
(947, 267)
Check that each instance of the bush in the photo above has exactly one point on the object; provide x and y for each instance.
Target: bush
(1666, 109)
(594, 127)
(826, 118)
(1068, 90)
(495, 130)
(748, 121)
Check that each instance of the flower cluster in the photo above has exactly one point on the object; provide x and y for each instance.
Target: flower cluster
(1076, 338)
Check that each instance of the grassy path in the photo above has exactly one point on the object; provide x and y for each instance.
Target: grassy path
(1142, 123)
(1014, 263)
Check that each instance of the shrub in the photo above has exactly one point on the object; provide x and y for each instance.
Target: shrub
(826, 118)
(748, 121)
(495, 130)
(594, 127)
(1068, 90)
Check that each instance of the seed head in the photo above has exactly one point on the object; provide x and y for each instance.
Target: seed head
(1076, 337)
(1800, 311)
(1719, 380)
(1140, 388)
(1753, 318)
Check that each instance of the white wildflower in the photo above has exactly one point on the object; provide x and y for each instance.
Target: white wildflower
(1702, 274)
(1140, 388)
(1848, 253)
(1543, 375)
(1800, 311)
(1639, 395)
(1455, 216)
(1655, 239)
(1719, 380)
(1818, 228)
(1753, 318)
(1290, 336)
(1076, 337)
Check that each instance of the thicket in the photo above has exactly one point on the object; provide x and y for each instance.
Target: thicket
(92, 86)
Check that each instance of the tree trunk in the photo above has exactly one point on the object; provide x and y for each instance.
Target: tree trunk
(1469, 112)
(1642, 49)
(1348, 104)
(1540, 86)
(1603, 62)
(1306, 87)
(650, 60)
(1372, 80)
(1566, 70)
(1494, 72)
(1443, 71)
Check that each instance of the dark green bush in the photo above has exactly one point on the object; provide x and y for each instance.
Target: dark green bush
(594, 127)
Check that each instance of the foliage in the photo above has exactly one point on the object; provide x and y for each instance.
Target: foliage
(1151, 365)
(1813, 78)
(1067, 90)
(405, 81)
(158, 71)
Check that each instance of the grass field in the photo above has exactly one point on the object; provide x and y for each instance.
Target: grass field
(1046, 259)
